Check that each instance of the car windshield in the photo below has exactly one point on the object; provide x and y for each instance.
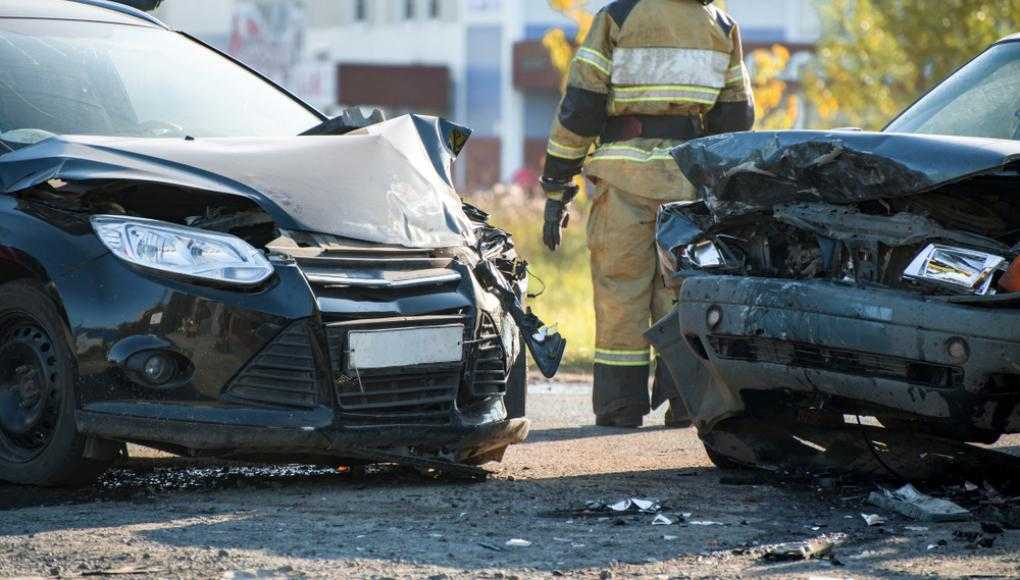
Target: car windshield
(981, 100)
(94, 78)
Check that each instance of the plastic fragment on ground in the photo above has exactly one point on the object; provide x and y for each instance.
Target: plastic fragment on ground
(793, 551)
(873, 519)
(518, 543)
(910, 502)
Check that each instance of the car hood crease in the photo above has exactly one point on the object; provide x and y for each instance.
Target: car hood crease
(389, 183)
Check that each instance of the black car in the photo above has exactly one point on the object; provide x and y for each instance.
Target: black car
(194, 260)
(848, 277)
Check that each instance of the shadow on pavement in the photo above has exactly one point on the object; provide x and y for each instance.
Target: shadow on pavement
(391, 515)
(585, 432)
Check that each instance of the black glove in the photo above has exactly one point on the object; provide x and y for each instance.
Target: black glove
(556, 215)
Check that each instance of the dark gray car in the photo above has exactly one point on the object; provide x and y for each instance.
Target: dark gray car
(828, 279)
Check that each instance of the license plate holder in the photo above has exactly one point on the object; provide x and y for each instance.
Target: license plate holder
(405, 347)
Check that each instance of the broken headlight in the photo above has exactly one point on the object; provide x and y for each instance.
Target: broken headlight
(956, 268)
(704, 254)
(182, 250)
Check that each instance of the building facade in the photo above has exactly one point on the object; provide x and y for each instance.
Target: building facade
(480, 63)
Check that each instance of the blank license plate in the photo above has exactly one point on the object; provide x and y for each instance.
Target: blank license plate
(401, 347)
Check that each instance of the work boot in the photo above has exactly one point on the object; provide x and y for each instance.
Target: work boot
(620, 396)
(677, 416)
(621, 422)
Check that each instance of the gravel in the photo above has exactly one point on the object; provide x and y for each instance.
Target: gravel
(169, 517)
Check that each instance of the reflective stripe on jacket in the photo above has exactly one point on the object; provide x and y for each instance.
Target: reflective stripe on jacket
(646, 57)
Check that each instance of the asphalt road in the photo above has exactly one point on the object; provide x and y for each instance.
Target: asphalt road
(172, 518)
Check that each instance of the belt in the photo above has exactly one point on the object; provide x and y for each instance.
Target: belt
(629, 127)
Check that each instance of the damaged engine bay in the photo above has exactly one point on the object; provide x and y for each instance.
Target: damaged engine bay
(837, 284)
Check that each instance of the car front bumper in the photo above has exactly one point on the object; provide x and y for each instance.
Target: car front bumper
(266, 368)
(870, 350)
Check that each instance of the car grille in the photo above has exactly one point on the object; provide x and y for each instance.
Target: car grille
(349, 280)
(283, 374)
(803, 355)
(489, 368)
(418, 395)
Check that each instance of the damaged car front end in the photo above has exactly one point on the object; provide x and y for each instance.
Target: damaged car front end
(830, 279)
(233, 289)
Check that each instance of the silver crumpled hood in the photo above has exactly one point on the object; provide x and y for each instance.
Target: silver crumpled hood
(389, 183)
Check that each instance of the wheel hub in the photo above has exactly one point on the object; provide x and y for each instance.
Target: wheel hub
(29, 400)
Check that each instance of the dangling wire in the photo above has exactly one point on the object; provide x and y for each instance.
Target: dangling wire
(874, 452)
(532, 296)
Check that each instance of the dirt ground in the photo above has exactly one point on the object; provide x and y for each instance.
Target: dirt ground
(172, 518)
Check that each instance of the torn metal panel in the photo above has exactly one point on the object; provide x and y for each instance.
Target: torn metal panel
(389, 183)
(848, 224)
(742, 173)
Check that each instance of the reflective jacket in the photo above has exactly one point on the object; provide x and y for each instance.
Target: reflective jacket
(658, 58)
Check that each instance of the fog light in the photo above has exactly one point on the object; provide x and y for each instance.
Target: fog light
(159, 369)
(714, 317)
(958, 350)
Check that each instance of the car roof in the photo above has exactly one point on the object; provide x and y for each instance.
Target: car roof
(85, 10)
(1010, 38)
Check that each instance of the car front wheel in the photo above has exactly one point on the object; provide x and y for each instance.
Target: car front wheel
(39, 441)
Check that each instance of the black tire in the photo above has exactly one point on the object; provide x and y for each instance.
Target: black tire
(517, 386)
(39, 440)
(721, 461)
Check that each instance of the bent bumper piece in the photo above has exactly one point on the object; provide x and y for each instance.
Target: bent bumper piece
(875, 348)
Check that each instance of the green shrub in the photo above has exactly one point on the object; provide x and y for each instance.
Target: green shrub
(566, 302)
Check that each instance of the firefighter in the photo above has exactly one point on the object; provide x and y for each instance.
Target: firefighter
(651, 75)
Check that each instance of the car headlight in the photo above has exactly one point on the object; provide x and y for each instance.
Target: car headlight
(956, 268)
(182, 250)
(703, 254)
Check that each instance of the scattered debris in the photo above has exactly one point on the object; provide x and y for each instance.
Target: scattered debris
(916, 529)
(873, 520)
(645, 506)
(909, 502)
(793, 551)
(661, 520)
(619, 508)
(518, 543)
(706, 523)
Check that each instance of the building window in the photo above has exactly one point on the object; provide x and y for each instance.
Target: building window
(410, 9)
(434, 9)
(360, 10)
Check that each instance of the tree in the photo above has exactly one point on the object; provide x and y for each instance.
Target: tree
(876, 57)
(561, 49)
(774, 108)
